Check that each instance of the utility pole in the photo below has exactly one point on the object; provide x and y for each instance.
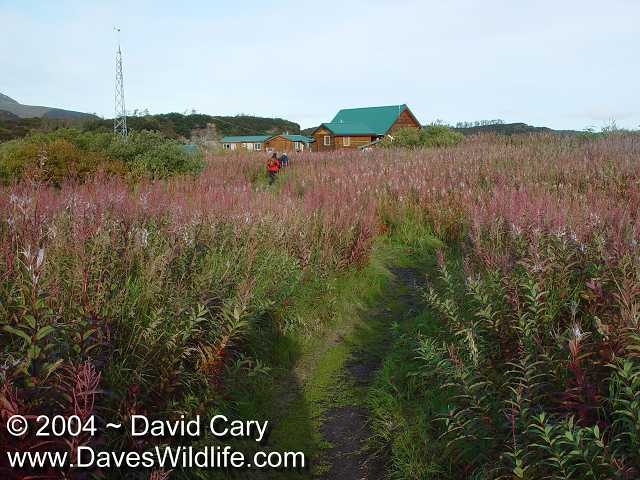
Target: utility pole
(120, 117)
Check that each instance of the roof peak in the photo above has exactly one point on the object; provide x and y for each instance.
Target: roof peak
(399, 105)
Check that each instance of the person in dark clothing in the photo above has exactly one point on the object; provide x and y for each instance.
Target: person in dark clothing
(273, 166)
(284, 160)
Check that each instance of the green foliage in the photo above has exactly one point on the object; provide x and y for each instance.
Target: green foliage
(71, 153)
(501, 128)
(429, 136)
(404, 137)
(12, 128)
(521, 365)
(439, 136)
(171, 125)
(609, 130)
(178, 125)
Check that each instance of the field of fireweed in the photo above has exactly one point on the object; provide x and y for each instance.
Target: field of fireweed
(117, 299)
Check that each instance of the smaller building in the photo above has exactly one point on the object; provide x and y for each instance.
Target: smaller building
(288, 143)
(246, 142)
(283, 142)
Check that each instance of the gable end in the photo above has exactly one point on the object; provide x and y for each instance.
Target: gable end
(406, 119)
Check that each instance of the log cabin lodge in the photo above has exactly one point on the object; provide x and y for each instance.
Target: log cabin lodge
(362, 127)
(351, 128)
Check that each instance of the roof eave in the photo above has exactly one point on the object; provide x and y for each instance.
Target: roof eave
(357, 134)
(322, 125)
(342, 134)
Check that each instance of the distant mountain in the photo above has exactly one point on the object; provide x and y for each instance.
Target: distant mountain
(4, 98)
(8, 104)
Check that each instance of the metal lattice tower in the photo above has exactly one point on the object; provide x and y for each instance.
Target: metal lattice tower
(120, 117)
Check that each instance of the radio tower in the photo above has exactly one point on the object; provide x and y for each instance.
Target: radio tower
(120, 117)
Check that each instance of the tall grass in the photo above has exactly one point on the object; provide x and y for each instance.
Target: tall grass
(535, 359)
(152, 291)
(142, 297)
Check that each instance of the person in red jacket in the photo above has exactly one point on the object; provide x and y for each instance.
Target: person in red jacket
(273, 166)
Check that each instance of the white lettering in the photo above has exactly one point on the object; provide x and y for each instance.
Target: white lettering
(138, 421)
(81, 463)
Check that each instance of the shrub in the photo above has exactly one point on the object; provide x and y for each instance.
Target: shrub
(439, 136)
(71, 153)
(404, 137)
(429, 136)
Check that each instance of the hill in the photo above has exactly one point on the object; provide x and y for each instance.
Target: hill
(12, 126)
(509, 129)
(246, 124)
(195, 127)
(185, 126)
(4, 115)
(8, 104)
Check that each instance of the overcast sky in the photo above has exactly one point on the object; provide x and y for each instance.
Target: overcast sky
(556, 63)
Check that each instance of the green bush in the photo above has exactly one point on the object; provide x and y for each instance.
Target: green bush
(167, 158)
(429, 136)
(71, 153)
(439, 136)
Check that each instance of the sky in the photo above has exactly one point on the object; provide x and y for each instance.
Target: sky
(566, 64)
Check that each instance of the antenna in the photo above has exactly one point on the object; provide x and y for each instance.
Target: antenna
(120, 117)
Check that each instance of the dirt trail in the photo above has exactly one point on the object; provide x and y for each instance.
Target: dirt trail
(346, 427)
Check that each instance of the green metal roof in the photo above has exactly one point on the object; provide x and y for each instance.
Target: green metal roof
(378, 119)
(349, 128)
(297, 138)
(246, 138)
(264, 138)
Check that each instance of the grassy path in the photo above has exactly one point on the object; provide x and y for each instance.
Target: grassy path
(327, 412)
(353, 453)
(322, 400)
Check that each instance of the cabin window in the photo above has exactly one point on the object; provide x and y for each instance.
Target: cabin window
(296, 145)
(346, 141)
(327, 140)
(226, 146)
(257, 146)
